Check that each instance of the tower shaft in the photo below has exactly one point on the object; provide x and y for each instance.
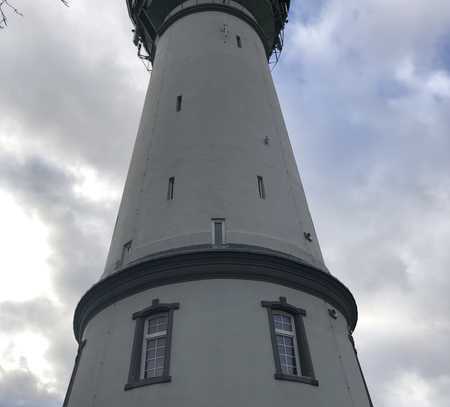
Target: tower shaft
(212, 125)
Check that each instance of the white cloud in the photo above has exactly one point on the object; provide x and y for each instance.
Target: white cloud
(27, 351)
(412, 390)
(89, 185)
(25, 272)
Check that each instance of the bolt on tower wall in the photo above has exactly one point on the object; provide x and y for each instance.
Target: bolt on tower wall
(214, 292)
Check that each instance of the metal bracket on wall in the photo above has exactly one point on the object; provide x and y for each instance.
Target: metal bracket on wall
(225, 30)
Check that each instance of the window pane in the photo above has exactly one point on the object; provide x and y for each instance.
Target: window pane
(283, 322)
(155, 355)
(218, 232)
(157, 324)
(286, 352)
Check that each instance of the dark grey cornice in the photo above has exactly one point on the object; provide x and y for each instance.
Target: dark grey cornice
(207, 262)
(224, 9)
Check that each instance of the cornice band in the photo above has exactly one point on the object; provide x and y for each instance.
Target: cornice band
(208, 262)
(224, 9)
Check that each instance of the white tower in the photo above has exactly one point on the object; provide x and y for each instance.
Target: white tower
(215, 292)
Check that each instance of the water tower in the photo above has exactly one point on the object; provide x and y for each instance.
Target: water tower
(215, 292)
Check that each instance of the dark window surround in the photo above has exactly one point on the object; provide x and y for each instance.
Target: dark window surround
(134, 376)
(74, 372)
(307, 372)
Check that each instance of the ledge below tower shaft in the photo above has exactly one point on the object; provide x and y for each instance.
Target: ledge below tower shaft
(203, 263)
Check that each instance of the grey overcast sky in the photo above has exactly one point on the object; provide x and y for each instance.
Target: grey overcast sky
(365, 89)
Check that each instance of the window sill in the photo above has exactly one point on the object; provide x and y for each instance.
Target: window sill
(147, 382)
(299, 379)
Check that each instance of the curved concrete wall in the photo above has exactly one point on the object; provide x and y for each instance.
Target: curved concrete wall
(214, 147)
(221, 351)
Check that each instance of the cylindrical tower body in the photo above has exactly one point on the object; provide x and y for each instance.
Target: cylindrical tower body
(215, 292)
(212, 123)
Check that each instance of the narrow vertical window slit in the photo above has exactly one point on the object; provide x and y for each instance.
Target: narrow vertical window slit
(179, 102)
(238, 41)
(261, 188)
(170, 189)
(218, 231)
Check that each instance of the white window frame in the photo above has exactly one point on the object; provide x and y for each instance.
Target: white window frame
(155, 335)
(292, 334)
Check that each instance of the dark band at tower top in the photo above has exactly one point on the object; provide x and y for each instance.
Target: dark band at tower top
(268, 17)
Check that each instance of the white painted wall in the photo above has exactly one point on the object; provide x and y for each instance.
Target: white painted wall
(221, 351)
(214, 148)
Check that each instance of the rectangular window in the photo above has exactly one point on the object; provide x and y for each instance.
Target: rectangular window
(154, 346)
(286, 342)
(150, 356)
(289, 342)
(170, 188)
(218, 231)
(179, 102)
(238, 41)
(261, 189)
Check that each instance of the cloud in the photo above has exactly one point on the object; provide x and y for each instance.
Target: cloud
(67, 90)
(21, 388)
(36, 314)
(365, 88)
(366, 103)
